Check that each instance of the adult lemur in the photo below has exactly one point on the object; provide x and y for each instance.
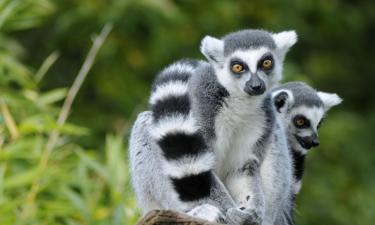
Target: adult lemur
(211, 145)
(302, 110)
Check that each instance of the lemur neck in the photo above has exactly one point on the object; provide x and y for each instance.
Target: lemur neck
(299, 163)
(244, 106)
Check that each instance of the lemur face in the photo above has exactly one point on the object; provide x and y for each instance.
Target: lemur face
(248, 62)
(249, 72)
(302, 110)
(303, 123)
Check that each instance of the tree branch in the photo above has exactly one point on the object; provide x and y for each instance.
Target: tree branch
(169, 217)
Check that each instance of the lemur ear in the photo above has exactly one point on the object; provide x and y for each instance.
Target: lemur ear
(329, 99)
(213, 49)
(284, 40)
(282, 100)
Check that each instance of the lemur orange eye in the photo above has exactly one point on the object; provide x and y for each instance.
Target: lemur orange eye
(300, 122)
(267, 64)
(237, 68)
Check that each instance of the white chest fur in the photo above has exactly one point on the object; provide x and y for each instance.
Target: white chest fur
(238, 126)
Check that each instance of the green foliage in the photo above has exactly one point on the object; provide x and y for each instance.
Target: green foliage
(77, 185)
(86, 181)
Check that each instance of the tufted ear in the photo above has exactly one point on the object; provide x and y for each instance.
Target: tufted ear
(213, 49)
(282, 100)
(329, 99)
(284, 40)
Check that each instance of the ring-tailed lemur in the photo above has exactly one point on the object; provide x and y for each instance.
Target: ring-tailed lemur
(302, 110)
(212, 134)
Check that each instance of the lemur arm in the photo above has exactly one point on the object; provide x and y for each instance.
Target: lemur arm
(245, 186)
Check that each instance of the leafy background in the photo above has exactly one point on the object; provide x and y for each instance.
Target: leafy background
(86, 180)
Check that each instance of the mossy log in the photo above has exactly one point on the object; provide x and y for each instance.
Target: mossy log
(169, 217)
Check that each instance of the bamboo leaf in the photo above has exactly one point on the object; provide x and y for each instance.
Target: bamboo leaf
(94, 165)
(21, 179)
(46, 65)
(52, 96)
(78, 203)
(9, 121)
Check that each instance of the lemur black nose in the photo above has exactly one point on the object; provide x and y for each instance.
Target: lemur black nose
(255, 86)
(255, 90)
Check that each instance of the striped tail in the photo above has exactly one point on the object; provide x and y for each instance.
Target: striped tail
(188, 162)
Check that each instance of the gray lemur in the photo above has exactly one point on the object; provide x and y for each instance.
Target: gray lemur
(302, 110)
(211, 145)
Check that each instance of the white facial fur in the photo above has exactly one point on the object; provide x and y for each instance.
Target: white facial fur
(251, 57)
(313, 114)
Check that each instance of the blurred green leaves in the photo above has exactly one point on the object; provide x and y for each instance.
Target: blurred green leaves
(77, 186)
(23, 14)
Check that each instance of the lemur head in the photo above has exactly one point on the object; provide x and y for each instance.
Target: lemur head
(302, 110)
(248, 61)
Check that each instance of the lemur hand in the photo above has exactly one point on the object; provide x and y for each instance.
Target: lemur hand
(207, 212)
(243, 216)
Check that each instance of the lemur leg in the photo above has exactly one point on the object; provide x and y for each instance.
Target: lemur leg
(245, 186)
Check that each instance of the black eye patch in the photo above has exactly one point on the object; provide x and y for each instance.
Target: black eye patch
(237, 66)
(301, 121)
(266, 62)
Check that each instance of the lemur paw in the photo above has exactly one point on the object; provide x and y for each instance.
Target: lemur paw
(207, 212)
(244, 216)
